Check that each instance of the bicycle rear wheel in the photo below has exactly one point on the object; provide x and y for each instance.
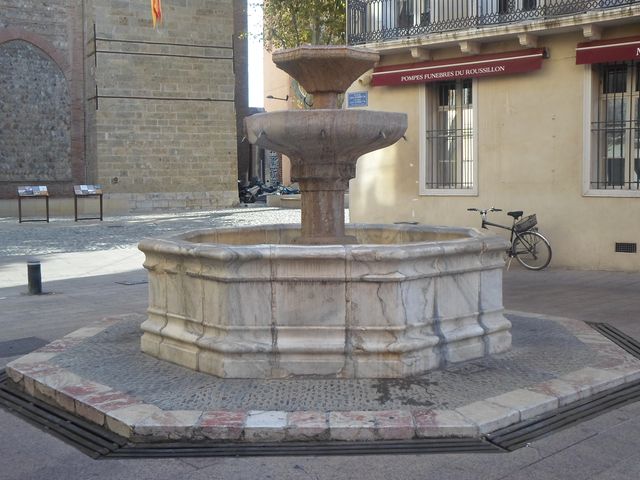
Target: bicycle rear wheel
(532, 250)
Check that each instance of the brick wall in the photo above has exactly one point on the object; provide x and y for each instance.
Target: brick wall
(165, 123)
(51, 20)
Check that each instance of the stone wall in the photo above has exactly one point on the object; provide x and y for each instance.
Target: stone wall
(165, 119)
(41, 118)
(148, 113)
(35, 116)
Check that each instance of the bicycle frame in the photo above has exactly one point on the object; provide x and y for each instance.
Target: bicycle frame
(486, 222)
(523, 245)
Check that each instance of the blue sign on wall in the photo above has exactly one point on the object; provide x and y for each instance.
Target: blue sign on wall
(357, 99)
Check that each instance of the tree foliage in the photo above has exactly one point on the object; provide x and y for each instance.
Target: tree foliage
(291, 23)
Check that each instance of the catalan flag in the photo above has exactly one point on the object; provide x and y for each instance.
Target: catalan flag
(156, 12)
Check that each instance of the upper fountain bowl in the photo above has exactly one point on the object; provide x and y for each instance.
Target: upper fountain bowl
(325, 136)
(325, 71)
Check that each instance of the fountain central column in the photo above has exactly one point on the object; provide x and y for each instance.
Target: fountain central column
(322, 192)
(324, 166)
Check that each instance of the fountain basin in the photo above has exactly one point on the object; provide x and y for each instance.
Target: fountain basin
(325, 136)
(249, 303)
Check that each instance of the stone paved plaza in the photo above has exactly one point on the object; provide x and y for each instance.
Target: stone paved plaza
(62, 235)
(542, 350)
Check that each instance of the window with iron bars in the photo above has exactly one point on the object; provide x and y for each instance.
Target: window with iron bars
(449, 162)
(615, 128)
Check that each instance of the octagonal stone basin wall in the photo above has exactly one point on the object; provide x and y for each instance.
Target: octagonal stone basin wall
(247, 303)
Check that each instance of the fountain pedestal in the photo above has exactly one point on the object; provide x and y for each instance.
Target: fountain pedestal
(323, 146)
(323, 206)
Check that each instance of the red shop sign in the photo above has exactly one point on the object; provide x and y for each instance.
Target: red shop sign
(603, 51)
(506, 63)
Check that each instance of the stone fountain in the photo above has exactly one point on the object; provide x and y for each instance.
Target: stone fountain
(324, 299)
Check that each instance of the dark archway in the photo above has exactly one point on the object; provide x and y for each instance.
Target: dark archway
(41, 114)
(35, 119)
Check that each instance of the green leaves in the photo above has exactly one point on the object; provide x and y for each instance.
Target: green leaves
(291, 23)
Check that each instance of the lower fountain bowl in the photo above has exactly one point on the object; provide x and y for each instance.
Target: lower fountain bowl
(249, 303)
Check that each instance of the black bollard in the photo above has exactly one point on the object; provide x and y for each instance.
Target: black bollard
(35, 278)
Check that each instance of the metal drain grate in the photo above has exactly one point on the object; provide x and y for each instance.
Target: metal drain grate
(399, 447)
(86, 437)
(624, 341)
(518, 435)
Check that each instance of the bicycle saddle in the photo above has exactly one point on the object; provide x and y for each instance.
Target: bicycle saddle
(515, 214)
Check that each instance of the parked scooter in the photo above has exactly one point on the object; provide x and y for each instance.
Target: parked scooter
(254, 191)
(248, 193)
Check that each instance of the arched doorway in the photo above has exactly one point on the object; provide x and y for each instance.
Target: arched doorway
(35, 116)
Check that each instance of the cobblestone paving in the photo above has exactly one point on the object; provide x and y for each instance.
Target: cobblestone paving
(65, 235)
(542, 350)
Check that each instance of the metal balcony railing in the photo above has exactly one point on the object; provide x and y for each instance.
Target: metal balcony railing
(379, 20)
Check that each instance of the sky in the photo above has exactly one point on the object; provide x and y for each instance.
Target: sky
(256, 79)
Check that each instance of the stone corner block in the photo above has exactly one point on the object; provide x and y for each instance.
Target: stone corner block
(14, 374)
(267, 426)
(168, 425)
(394, 425)
(594, 379)
(221, 425)
(352, 426)
(124, 420)
(529, 403)
(565, 392)
(631, 373)
(443, 423)
(307, 425)
(489, 416)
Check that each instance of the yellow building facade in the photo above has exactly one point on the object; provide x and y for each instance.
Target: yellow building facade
(557, 135)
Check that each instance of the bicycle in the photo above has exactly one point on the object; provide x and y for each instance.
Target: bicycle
(526, 244)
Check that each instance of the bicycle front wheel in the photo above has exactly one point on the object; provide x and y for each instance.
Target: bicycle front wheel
(532, 250)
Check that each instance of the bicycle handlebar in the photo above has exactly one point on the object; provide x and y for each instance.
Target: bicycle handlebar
(484, 212)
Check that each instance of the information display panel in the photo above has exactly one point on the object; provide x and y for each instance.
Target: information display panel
(85, 191)
(40, 192)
